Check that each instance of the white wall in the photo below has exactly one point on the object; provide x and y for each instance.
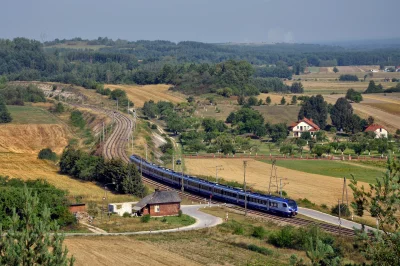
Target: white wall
(381, 134)
(301, 127)
(121, 208)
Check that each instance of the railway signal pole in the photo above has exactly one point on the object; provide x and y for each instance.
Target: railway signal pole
(244, 187)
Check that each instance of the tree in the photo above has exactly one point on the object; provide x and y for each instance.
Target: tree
(5, 116)
(294, 99)
(77, 119)
(268, 100)
(341, 114)
(370, 120)
(59, 108)
(381, 201)
(300, 144)
(277, 132)
(47, 154)
(354, 96)
(316, 108)
(335, 69)
(297, 87)
(348, 77)
(342, 147)
(283, 101)
(33, 238)
(241, 100)
(372, 88)
(252, 101)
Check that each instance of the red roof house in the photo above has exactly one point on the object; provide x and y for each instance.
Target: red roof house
(380, 131)
(303, 125)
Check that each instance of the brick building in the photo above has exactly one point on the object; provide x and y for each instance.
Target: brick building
(77, 207)
(160, 203)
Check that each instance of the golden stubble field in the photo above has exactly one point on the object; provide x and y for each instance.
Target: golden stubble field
(140, 94)
(319, 189)
(121, 251)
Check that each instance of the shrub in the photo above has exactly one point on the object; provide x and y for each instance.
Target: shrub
(153, 126)
(126, 214)
(348, 77)
(180, 213)
(47, 154)
(284, 238)
(259, 232)
(145, 218)
(238, 230)
(261, 250)
(164, 219)
(344, 210)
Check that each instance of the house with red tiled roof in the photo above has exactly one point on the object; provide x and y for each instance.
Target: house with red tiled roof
(380, 131)
(303, 125)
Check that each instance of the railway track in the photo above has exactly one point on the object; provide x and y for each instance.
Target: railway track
(114, 147)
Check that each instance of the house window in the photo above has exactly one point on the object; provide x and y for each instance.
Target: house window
(156, 208)
(380, 130)
(119, 206)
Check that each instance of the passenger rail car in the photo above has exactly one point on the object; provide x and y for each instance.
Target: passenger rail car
(266, 203)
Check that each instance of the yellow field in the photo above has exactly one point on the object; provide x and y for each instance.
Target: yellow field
(27, 166)
(120, 251)
(275, 98)
(319, 189)
(140, 94)
(32, 138)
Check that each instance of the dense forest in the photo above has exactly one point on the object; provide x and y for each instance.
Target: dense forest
(191, 67)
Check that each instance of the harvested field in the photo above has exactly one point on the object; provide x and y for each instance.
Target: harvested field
(139, 94)
(330, 75)
(279, 113)
(384, 109)
(320, 189)
(210, 111)
(275, 98)
(121, 251)
(32, 138)
(27, 166)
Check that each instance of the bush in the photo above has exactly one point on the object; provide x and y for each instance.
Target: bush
(344, 210)
(164, 219)
(153, 126)
(145, 218)
(77, 119)
(180, 213)
(126, 214)
(259, 232)
(47, 154)
(348, 78)
(284, 238)
(261, 250)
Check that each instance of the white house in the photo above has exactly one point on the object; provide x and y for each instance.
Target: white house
(303, 125)
(121, 208)
(380, 131)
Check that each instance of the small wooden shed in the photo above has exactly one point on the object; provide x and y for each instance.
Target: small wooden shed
(77, 207)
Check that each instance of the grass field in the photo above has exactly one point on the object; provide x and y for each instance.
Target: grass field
(318, 188)
(331, 168)
(278, 113)
(139, 94)
(31, 115)
(219, 112)
(133, 224)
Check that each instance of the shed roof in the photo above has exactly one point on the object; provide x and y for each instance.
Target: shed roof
(158, 197)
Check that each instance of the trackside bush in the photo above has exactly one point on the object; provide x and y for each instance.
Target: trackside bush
(284, 238)
(344, 210)
(145, 218)
(261, 250)
(259, 232)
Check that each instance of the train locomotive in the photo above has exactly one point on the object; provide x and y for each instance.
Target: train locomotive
(257, 201)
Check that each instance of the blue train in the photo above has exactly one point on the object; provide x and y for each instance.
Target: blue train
(262, 202)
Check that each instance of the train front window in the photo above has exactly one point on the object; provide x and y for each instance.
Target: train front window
(292, 203)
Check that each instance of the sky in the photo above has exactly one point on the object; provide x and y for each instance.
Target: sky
(212, 21)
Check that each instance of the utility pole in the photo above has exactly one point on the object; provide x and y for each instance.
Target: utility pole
(103, 133)
(117, 104)
(173, 162)
(281, 186)
(340, 221)
(273, 179)
(182, 186)
(146, 151)
(345, 189)
(218, 167)
(244, 187)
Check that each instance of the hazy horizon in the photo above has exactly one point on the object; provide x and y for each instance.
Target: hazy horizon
(255, 21)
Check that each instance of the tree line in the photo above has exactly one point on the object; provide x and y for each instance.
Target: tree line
(123, 177)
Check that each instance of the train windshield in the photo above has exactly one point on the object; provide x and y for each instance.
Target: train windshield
(292, 203)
